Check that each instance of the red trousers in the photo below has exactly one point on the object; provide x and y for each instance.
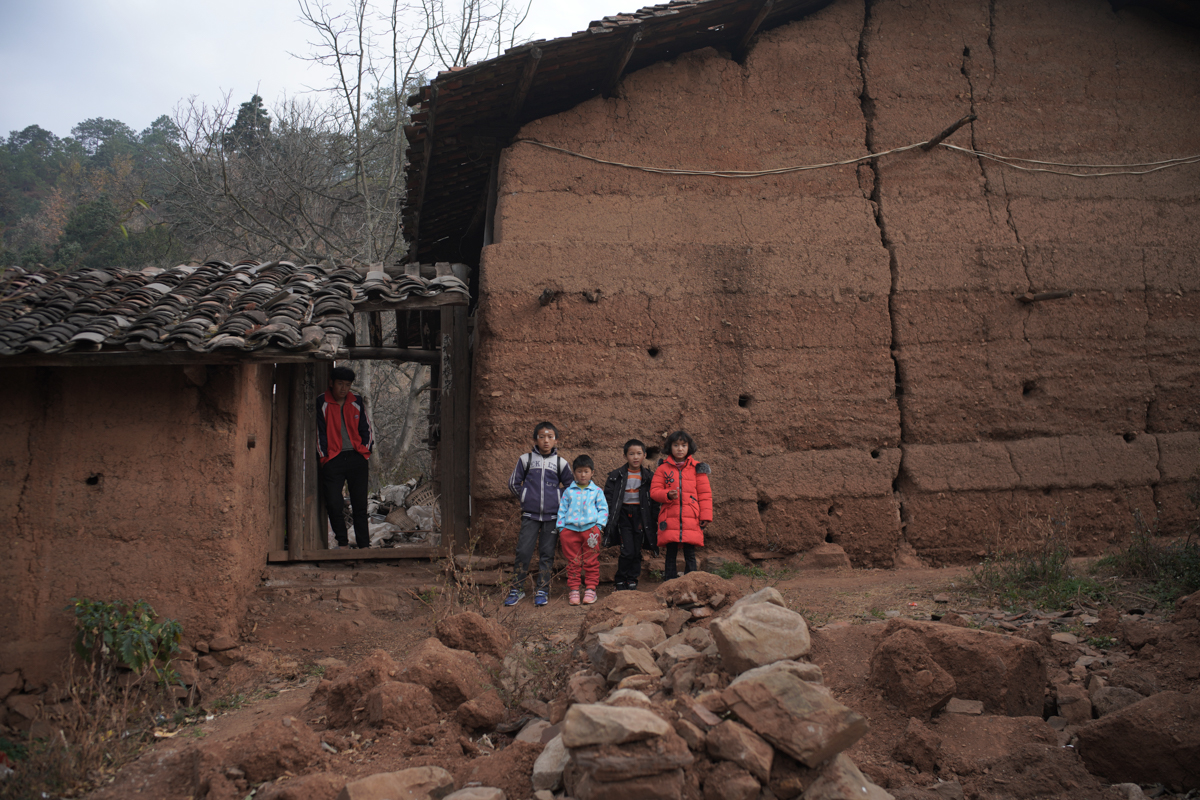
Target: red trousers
(581, 549)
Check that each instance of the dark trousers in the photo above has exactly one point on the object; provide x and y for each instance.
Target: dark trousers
(689, 560)
(346, 468)
(631, 532)
(543, 536)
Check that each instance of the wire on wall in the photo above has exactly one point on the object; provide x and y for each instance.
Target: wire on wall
(1024, 164)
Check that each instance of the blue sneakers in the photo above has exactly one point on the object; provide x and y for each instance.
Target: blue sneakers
(514, 595)
(541, 598)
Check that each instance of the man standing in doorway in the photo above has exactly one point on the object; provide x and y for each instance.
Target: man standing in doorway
(344, 442)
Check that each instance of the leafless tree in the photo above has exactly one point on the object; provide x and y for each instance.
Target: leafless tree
(326, 182)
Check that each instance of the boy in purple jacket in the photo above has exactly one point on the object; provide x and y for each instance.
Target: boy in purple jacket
(538, 480)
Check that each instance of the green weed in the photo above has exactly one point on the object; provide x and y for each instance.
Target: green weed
(1168, 570)
(1101, 642)
(1040, 576)
(731, 568)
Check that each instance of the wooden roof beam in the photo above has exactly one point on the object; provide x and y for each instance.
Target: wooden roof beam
(527, 75)
(742, 48)
(623, 56)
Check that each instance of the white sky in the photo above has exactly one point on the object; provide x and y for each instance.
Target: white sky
(65, 61)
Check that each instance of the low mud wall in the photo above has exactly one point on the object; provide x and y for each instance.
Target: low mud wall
(124, 484)
(849, 345)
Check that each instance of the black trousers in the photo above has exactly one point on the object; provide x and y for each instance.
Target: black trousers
(631, 531)
(669, 565)
(544, 537)
(346, 468)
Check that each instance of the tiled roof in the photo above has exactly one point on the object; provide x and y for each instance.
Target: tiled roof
(245, 307)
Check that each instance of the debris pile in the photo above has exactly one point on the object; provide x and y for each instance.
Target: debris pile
(399, 514)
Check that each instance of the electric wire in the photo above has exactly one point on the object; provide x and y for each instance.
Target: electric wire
(1014, 162)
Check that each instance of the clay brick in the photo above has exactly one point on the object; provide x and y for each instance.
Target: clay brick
(1179, 456)
(1007, 390)
(966, 466)
(961, 527)
(827, 473)
(1083, 266)
(953, 266)
(1173, 316)
(1084, 461)
(769, 266)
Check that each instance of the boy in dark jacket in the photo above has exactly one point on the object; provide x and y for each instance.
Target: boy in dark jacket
(632, 515)
(538, 480)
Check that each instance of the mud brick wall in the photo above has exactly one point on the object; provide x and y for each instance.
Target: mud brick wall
(847, 344)
(124, 484)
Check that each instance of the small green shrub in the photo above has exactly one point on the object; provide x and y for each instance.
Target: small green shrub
(1041, 576)
(731, 568)
(123, 635)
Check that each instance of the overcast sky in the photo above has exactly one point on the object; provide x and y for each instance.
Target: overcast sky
(65, 61)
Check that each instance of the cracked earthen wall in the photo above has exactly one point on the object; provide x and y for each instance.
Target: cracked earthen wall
(125, 484)
(847, 344)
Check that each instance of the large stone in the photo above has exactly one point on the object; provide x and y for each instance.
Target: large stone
(840, 779)
(400, 705)
(475, 634)
(633, 660)
(1107, 699)
(607, 646)
(417, 783)
(1006, 673)
(663, 786)
(728, 781)
(482, 713)
(548, 769)
(905, 671)
(478, 793)
(1156, 740)
(618, 762)
(760, 634)
(453, 676)
(586, 687)
(796, 716)
(345, 692)
(825, 555)
(599, 724)
(768, 595)
(730, 741)
(919, 746)
(801, 669)
(1073, 703)
(274, 747)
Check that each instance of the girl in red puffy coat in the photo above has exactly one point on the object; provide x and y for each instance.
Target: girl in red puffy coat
(681, 488)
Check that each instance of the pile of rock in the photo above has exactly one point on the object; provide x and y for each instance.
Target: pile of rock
(721, 709)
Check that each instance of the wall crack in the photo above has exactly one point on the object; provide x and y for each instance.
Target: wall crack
(867, 104)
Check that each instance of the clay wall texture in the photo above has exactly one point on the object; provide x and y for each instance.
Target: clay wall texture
(176, 513)
(846, 344)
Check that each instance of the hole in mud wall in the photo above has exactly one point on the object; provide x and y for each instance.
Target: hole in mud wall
(1129, 437)
(745, 401)
(1047, 491)
(966, 52)
(829, 537)
(652, 453)
(875, 453)
(1030, 388)
(94, 479)
(653, 352)
(763, 504)
(833, 509)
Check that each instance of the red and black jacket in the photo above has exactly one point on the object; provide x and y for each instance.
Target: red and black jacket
(329, 434)
(679, 519)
